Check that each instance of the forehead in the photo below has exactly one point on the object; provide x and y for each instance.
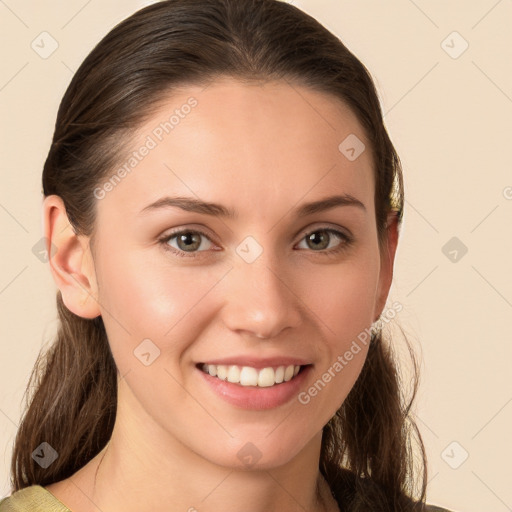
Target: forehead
(246, 145)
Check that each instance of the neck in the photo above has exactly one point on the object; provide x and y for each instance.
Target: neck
(166, 483)
(143, 470)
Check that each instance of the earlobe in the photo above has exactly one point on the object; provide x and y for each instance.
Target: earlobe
(70, 259)
(387, 261)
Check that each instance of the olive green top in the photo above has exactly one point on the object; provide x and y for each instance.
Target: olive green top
(38, 499)
(34, 499)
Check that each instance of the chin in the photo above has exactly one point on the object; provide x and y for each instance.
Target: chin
(260, 452)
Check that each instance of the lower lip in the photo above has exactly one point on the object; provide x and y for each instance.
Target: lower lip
(254, 397)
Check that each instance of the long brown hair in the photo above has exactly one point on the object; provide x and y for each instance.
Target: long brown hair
(367, 452)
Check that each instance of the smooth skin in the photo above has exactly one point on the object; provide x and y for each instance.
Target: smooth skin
(262, 150)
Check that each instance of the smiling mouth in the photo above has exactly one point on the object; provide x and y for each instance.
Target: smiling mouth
(249, 376)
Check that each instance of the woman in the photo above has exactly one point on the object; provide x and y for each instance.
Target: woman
(210, 356)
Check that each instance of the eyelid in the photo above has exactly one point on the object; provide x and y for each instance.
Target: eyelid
(327, 227)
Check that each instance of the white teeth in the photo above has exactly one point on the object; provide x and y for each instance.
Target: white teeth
(280, 374)
(288, 373)
(233, 374)
(222, 371)
(266, 378)
(249, 376)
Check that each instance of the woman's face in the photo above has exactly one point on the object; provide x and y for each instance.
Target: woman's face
(254, 285)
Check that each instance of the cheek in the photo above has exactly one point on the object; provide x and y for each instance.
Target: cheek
(343, 300)
(141, 299)
(344, 297)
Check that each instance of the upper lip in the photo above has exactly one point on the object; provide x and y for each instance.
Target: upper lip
(258, 362)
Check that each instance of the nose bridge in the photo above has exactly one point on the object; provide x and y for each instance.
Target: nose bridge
(260, 300)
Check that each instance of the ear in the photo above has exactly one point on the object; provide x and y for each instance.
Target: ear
(387, 261)
(71, 261)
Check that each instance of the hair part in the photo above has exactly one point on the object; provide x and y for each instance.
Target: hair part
(366, 454)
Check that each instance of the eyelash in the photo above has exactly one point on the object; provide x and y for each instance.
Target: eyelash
(344, 245)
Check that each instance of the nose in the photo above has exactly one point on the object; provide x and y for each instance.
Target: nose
(260, 299)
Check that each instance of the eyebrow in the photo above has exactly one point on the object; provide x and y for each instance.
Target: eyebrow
(191, 204)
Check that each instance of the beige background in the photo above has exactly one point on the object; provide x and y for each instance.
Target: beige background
(451, 121)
